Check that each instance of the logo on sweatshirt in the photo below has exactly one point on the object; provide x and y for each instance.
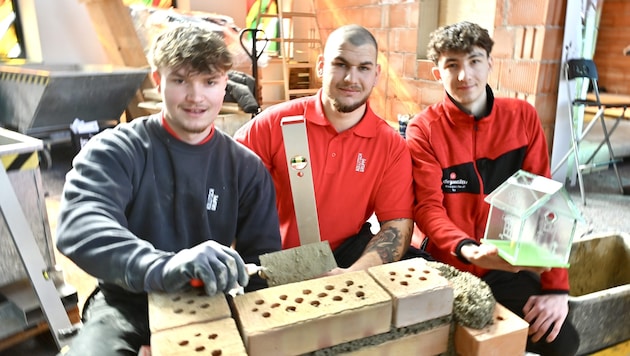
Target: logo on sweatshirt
(213, 200)
(360, 165)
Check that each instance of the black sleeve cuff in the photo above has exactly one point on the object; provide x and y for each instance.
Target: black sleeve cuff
(458, 249)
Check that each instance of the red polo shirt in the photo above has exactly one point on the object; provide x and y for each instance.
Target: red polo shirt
(363, 170)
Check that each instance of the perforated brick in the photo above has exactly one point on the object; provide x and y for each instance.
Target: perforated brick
(306, 316)
(506, 336)
(219, 337)
(419, 292)
(167, 311)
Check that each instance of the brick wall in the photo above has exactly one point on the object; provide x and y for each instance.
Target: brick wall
(527, 53)
(614, 35)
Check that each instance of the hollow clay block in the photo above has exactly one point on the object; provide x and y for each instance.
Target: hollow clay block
(306, 316)
(219, 337)
(419, 292)
(168, 311)
(507, 335)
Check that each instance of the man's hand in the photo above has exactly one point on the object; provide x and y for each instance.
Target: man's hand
(219, 267)
(543, 312)
(487, 256)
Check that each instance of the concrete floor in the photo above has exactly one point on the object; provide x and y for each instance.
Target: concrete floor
(606, 211)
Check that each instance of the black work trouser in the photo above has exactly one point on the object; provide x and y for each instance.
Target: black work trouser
(114, 324)
(513, 290)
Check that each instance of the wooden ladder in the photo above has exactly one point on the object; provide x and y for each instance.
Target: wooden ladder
(291, 71)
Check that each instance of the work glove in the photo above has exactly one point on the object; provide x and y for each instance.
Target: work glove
(219, 267)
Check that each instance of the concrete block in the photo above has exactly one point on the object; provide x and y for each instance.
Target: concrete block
(167, 311)
(419, 293)
(220, 337)
(306, 316)
(600, 290)
(429, 342)
(507, 335)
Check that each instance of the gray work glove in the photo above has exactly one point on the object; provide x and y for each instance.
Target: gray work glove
(219, 267)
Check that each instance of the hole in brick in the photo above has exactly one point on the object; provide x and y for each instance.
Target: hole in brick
(407, 276)
(290, 308)
(212, 336)
(361, 286)
(307, 292)
(349, 283)
(216, 353)
(283, 297)
(200, 348)
(192, 312)
(190, 301)
(322, 295)
(423, 278)
(255, 310)
(315, 303)
(178, 311)
(344, 290)
(500, 318)
(204, 306)
(360, 294)
(275, 305)
(428, 271)
(392, 273)
(197, 334)
(266, 314)
(392, 279)
(404, 283)
(337, 298)
(329, 287)
(183, 343)
(299, 300)
(259, 302)
(176, 298)
(411, 269)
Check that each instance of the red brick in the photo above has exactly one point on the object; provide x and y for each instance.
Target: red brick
(506, 336)
(519, 76)
(527, 12)
(403, 15)
(425, 69)
(503, 43)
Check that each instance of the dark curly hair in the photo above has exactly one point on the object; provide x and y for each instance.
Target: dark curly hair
(459, 37)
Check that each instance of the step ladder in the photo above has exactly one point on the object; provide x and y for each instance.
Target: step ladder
(291, 71)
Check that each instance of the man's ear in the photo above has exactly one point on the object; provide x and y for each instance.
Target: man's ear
(436, 73)
(490, 62)
(155, 75)
(320, 66)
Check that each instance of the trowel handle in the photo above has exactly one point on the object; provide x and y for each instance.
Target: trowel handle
(252, 269)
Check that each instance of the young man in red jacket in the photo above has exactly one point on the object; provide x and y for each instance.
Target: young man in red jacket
(462, 149)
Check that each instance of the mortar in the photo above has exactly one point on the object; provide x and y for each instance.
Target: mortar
(599, 298)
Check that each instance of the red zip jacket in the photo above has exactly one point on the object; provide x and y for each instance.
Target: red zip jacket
(458, 161)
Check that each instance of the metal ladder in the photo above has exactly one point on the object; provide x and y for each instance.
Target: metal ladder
(299, 45)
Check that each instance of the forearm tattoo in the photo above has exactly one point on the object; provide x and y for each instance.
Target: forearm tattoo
(386, 244)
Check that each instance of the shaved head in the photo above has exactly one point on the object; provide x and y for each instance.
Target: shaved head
(353, 34)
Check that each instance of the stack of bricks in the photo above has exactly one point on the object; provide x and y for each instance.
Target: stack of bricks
(399, 308)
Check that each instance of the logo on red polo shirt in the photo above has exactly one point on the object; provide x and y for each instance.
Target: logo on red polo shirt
(360, 166)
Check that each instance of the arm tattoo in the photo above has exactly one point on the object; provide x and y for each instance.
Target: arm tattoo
(386, 244)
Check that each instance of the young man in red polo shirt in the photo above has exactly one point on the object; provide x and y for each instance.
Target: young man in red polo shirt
(360, 165)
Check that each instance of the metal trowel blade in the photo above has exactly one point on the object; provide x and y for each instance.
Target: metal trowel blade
(298, 263)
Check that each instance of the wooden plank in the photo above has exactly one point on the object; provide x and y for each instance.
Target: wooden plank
(117, 34)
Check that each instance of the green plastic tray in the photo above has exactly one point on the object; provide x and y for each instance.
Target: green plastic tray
(529, 254)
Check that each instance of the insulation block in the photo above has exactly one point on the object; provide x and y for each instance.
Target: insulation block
(306, 316)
